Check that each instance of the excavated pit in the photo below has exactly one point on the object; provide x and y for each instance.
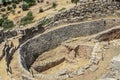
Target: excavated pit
(34, 47)
(62, 55)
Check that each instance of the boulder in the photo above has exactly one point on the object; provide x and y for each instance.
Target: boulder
(115, 62)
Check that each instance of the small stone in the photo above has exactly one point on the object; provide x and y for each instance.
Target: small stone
(96, 61)
(93, 68)
(72, 54)
(25, 78)
(80, 71)
(87, 66)
(0, 78)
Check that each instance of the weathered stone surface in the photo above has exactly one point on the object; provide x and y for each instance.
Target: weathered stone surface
(93, 68)
(87, 66)
(1, 35)
(72, 54)
(0, 78)
(114, 71)
(30, 32)
(115, 62)
(80, 71)
(47, 65)
(109, 35)
(26, 78)
(53, 38)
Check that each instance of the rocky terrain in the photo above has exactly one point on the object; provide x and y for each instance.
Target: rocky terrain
(81, 43)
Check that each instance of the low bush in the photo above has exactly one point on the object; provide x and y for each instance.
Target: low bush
(41, 10)
(7, 24)
(1, 21)
(27, 19)
(19, 12)
(3, 9)
(54, 5)
(9, 8)
(25, 7)
(14, 5)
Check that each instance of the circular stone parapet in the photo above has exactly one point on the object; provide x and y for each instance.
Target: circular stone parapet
(34, 47)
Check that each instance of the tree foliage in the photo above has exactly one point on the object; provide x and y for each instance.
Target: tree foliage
(30, 2)
(14, 6)
(25, 7)
(7, 24)
(54, 5)
(27, 19)
(1, 21)
(75, 1)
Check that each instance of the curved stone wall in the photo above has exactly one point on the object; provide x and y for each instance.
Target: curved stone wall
(34, 47)
(109, 35)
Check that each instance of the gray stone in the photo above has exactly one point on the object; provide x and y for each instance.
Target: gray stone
(87, 66)
(93, 68)
(26, 78)
(108, 79)
(80, 71)
(115, 62)
(72, 54)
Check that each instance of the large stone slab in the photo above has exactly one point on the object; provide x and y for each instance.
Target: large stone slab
(115, 62)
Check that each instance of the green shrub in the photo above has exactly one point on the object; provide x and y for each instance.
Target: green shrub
(75, 1)
(1, 21)
(40, 10)
(9, 8)
(4, 16)
(40, 1)
(47, 2)
(25, 7)
(7, 24)
(45, 22)
(30, 14)
(3, 9)
(19, 12)
(4, 2)
(27, 19)
(19, 6)
(35, 55)
(30, 2)
(54, 5)
(14, 5)
(13, 12)
(15, 1)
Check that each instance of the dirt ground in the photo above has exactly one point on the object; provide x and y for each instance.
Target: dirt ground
(35, 9)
